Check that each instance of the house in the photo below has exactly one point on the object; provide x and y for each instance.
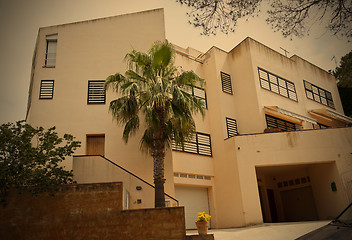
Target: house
(274, 145)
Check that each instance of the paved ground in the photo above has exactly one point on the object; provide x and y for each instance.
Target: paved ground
(266, 231)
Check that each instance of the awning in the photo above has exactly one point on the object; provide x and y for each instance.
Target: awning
(288, 115)
(331, 115)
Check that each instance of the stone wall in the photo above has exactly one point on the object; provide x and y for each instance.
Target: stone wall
(86, 211)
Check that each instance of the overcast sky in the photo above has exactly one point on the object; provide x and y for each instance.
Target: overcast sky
(21, 19)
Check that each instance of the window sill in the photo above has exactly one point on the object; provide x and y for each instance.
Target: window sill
(227, 92)
(47, 66)
(321, 103)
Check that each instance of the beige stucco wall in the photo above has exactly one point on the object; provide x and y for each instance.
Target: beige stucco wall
(295, 70)
(93, 50)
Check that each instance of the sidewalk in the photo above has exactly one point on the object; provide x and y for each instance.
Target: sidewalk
(266, 231)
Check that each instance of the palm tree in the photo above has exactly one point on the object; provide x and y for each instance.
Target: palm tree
(153, 88)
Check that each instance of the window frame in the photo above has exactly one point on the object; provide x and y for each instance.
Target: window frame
(226, 82)
(276, 119)
(319, 93)
(197, 96)
(50, 39)
(46, 90)
(91, 95)
(196, 146)
(285, 88)
(232, 128)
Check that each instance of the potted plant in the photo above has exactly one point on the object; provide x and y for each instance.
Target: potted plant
(202, 223)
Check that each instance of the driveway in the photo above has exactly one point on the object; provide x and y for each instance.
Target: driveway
(266, 231)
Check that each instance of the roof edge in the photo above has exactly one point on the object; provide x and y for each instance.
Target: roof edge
(103, 18)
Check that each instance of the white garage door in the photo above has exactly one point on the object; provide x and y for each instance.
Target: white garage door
(194, 199)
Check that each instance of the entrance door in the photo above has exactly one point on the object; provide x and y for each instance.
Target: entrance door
(194, 199)
(96, 145)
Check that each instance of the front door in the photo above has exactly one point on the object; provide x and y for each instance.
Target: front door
(96, 145)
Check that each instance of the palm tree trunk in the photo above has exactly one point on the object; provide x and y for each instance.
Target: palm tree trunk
(159, 155)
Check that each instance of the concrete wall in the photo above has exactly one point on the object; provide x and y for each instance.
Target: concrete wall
(88, 211)
(324, 196)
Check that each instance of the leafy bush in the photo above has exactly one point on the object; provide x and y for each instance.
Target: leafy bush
(30, 158)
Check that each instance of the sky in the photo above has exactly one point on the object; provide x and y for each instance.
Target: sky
(20, 21)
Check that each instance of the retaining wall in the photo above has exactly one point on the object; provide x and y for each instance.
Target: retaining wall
(86, 211)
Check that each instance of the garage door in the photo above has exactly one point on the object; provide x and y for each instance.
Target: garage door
(194, 199)
(299, 205)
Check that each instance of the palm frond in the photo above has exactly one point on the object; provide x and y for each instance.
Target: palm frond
(114, 81)
(153, 85)
(124, 108)
(190, 78)
(130, 128)
(162, 54)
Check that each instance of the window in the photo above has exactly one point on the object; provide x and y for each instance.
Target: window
(199, 144)
(226, 82)
(318, 94)
(50, 56)
(231, 126)
(273, 122)
(277, 84)
(96, 92)
(46, 89)
(196, 92)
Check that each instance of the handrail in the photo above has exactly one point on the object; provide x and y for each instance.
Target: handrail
(190, 56)
(134, 175)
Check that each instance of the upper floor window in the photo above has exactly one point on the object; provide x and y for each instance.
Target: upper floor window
(283, 125)
(318, 94)
(277, 84)
(226, 82)
(96, 91)
(50, 56)
(46, 89)
(231, 126)
(199, 144)
(196, 92)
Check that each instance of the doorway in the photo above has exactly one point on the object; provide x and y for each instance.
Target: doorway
(96, 144)
(272, 205)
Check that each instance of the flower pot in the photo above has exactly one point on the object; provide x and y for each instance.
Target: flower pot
(202, 228)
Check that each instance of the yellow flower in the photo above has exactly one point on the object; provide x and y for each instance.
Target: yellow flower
(203, 217)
